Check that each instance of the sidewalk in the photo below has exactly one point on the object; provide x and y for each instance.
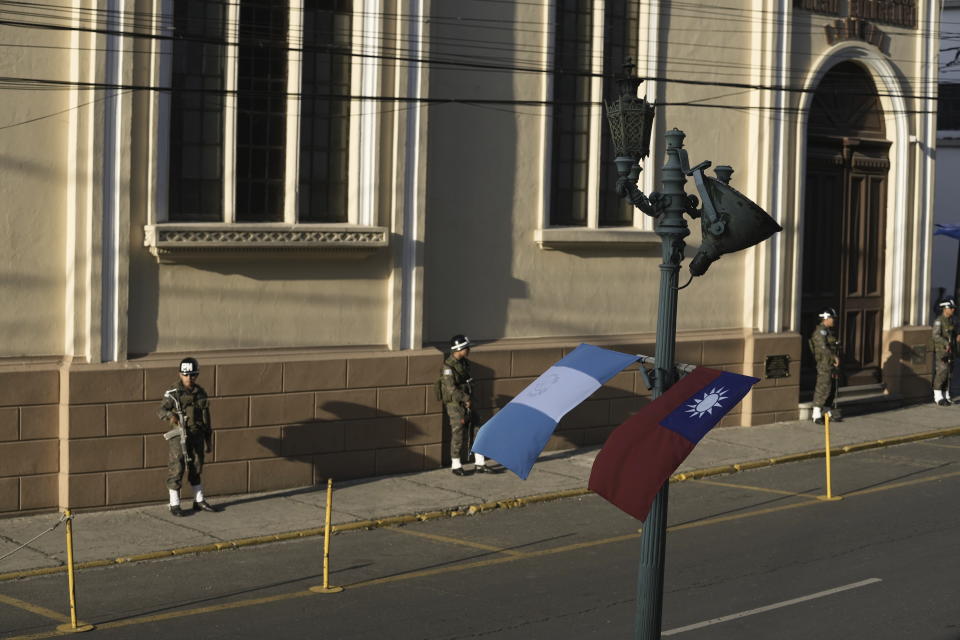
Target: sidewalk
(109, 537)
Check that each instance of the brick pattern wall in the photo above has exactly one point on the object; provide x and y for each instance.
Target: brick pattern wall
(280, 425)
(29, 445)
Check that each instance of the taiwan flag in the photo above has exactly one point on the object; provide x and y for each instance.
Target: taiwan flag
(642, 453)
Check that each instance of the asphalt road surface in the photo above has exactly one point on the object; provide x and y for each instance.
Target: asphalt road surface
(751, 555)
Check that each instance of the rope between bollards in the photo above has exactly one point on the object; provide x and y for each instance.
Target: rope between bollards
(56, 524)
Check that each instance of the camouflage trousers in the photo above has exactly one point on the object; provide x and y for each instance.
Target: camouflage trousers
(941, 372)
(823, 389)
(176, 464)
(461, 428)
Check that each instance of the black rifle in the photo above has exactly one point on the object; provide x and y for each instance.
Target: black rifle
(181, 428)
(468, 419)
(948, 359)
(835, 413)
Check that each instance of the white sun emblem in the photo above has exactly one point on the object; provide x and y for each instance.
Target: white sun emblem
(710, 399)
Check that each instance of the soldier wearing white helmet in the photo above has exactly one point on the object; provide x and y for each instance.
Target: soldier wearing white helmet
(187, 409)
(456, 390)
(944, 340)
(826, 351)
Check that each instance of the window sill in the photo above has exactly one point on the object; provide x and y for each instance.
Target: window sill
(568, 238)
(171, 239)
(948, 138)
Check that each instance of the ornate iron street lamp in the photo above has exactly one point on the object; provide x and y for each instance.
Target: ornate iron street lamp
(730, 222)
(631, 120)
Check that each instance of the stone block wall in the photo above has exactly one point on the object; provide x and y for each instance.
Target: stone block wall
(276, 425)
(89, 437)
(29, 440)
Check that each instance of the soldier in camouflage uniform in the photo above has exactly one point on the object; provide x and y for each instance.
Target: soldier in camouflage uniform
(192, 401)
(823, 343)
(457, 395)
(944, 349)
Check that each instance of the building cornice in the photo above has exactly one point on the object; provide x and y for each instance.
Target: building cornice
(168, 240)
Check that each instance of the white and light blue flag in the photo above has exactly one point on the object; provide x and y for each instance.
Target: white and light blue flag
(517, 434)
(949, 230)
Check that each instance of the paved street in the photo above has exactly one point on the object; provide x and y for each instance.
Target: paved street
(754, 554)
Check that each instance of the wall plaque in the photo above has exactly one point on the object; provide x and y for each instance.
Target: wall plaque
(777, 367)
(828, 7)
(918, 354)
(899, 13)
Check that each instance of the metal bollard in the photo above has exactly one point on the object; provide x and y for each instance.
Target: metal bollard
(826, 438)
(326, 588)
(73, 627)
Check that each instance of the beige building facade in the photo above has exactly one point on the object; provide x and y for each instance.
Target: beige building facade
(312, 197)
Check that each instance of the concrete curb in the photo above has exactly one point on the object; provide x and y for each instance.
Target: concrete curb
(453, 512)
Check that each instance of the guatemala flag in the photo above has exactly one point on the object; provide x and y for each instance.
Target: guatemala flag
(517, 434)
(951, 230)
(642, 453)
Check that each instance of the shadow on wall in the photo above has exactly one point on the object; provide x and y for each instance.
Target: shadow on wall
(357, 442)
(472, 185)
(900, 370)
(354, 442)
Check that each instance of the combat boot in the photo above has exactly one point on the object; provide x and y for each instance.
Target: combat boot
(204, 505)
(176, 511)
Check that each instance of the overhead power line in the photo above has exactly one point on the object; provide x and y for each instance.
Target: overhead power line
(147, 20)
(442, 62)
(96, 21)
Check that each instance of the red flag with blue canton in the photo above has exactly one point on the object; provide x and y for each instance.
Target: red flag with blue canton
(642, 453)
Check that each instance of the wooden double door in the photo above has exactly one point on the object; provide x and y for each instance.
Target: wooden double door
(843, 261)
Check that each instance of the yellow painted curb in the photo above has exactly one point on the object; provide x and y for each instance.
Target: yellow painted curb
(200, 548)
(430, 515)
(395, 520)
(353, 526)
(478, 508)
(703, 473)
(744, 466)
(796, 457)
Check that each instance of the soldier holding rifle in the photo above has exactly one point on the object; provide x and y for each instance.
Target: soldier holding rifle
(186, 408)
(826, 351)
(944, 340)
(456, 387)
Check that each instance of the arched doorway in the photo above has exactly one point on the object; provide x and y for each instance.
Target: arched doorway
(843, 220)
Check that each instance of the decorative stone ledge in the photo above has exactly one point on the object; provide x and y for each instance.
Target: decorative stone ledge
(169, 240)
(572, 238)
